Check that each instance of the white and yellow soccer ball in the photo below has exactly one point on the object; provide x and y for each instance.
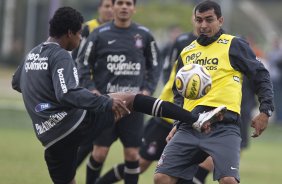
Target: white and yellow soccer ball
(193, 81)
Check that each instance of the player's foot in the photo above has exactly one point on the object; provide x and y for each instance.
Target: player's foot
(207, 118)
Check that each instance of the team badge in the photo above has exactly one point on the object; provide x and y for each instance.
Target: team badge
(138, 41)
(152, 148)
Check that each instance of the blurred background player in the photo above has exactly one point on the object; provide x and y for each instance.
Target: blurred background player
(274, 60)
(157, 129)
(120, 56)
(173, 32)
(153, 142)
(105, 14)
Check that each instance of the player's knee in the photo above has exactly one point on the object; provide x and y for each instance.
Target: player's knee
(72, 182)
(131, 154)
(100, 153)
(144, 164)
(228, 180)
(160, 178)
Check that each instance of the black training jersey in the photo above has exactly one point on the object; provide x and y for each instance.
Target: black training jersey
(120, 59)
(180, 43)
(174, 51)
(49, 82)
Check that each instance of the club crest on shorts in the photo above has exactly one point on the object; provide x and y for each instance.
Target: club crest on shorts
(161, 161)
(152, 149)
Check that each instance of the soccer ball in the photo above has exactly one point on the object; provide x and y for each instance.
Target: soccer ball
(193, 81)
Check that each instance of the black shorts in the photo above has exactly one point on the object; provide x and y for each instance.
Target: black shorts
(61, 157)
(129, 130)
(153, 142)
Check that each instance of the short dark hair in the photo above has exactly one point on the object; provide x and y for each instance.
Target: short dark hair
(134, 1)
(208, 5)
(65, 19)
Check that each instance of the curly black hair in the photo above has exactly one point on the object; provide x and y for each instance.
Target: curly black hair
(65, 19)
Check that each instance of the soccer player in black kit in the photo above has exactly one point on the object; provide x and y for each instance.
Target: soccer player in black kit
(120, 56)
(63, 113)
(156, 129)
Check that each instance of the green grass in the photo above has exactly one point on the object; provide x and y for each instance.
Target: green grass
(22, 161)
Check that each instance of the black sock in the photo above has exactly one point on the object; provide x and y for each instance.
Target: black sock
(131, 172)
(114, 175)
(83, 152)
(201, 174)
(93, 170)
(159, 108)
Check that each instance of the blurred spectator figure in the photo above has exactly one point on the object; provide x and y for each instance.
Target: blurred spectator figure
(257, 50)
(173, 32)
(105, 14)
(274, 57)
(247, 106)
(249, 101)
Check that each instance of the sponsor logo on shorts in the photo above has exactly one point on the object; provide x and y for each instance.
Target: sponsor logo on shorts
(42, 106)
(233, 168)
(111, 42)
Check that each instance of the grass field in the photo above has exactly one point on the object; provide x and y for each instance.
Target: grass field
(22, 161)
(21, 155)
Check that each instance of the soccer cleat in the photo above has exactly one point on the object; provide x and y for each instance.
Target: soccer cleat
(208, 117)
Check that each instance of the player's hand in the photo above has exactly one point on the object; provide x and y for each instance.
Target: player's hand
(259, 123)
(119, 108)
(95, 91)
(171, 134)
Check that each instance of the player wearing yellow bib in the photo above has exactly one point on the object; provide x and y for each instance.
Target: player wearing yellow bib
(226, 58)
